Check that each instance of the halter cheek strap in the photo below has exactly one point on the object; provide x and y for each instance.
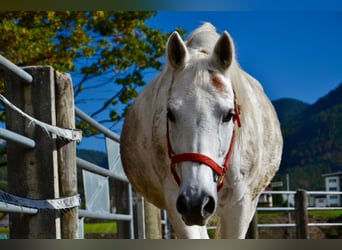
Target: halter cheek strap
(201, 158)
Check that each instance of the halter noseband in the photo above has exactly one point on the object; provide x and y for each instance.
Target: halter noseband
(201, 158)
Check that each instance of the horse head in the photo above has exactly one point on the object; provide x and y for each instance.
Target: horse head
(201, 111)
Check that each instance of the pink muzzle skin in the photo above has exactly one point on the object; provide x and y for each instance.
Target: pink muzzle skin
(201, 158)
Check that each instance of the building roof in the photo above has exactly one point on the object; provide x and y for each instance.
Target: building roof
(332, 174)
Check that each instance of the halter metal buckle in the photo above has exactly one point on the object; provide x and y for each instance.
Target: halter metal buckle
(220, 179)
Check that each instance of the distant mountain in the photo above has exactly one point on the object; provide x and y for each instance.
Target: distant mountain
(312, 138)
(96, 157)
(288, 108)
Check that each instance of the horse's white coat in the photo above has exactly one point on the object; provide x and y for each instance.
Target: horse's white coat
(186, 87)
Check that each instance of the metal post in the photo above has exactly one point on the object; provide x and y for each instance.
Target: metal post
(289, 230)
(140, 216)
(130, 207)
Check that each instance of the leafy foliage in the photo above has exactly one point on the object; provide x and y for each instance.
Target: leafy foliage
(101, 48)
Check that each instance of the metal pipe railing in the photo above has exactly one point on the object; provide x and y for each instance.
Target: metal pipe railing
(18, 138)
(103, 215)
(9, 66)
(10, 208)
(99, 127)
(91, 167)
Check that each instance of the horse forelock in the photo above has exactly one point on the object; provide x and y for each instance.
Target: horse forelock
(203, 38)
(201, 44)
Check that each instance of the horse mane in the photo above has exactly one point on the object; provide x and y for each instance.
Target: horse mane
(203, 38)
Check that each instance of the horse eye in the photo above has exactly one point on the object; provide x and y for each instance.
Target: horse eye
(170, 116)
(228, 116)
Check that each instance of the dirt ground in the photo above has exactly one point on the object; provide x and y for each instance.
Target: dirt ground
(277, 233)
(323, 232)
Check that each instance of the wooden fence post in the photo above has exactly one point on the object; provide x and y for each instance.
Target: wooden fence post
(301, 199)
(253, 232)
(152, 221)
(67, 169)
(33, 173)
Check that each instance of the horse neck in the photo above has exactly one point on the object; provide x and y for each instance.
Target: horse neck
(240, 84)
(248, 92)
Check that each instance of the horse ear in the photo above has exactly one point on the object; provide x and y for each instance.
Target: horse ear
(176, 51)
(223, 52)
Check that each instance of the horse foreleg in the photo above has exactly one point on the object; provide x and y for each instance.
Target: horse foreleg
(235, 219)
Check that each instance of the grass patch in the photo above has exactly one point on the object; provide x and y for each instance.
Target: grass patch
(263, 215)
(326, 214)
(271, 214)
(4, 230)
(318, 214)
(101, 227)
(4, 233)
(95, 228)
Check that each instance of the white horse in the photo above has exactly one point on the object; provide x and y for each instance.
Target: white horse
(178, 137)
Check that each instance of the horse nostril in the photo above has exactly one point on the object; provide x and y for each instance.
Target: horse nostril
(182, 206)
(195, 209)
(208, 206)
(205, 206)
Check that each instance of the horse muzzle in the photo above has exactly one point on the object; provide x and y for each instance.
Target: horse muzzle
(195, 208)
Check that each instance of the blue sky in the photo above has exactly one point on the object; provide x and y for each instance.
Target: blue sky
(294, 54)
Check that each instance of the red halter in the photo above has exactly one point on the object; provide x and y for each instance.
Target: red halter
(197, 157)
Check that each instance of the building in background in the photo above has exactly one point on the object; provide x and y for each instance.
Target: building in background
(333, 183)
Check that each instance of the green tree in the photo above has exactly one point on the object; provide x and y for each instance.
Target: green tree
(102, 48)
